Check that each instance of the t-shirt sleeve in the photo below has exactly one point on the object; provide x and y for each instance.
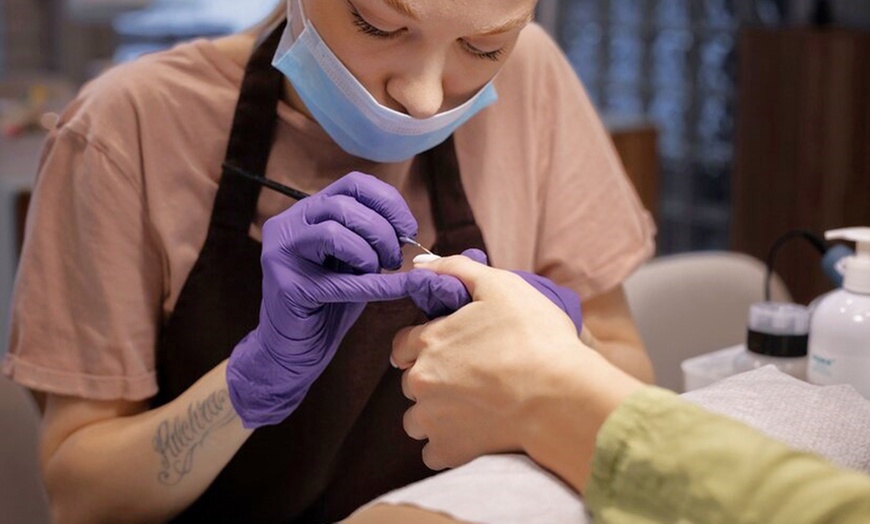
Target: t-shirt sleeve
(86, 302)
(661, 459)
(594, 231)
(544, 180)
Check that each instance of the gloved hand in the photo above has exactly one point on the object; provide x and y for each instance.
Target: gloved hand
(439, 295)
(308, 308)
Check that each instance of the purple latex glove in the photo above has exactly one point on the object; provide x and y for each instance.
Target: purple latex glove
(439, 295)
(307, 308)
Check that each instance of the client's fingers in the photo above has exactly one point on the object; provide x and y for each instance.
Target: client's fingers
(433, 459)
(411, 424)
(406, 386)
(406, 346)
(471, 273)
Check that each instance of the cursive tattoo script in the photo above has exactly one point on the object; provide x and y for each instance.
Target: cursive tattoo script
(177, 439)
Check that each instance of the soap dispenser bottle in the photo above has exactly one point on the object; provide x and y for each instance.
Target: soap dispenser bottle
(839, 340)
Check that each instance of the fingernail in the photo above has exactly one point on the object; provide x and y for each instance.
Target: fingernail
(423, 259)
(393, 362)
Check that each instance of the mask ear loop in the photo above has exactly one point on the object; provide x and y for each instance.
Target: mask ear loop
(296, 24)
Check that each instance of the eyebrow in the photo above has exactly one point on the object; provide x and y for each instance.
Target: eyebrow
(403, 8)
(509, 25)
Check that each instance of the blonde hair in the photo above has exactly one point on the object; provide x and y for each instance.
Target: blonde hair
(277, 14)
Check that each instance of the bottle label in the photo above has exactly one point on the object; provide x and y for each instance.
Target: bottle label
(827, 369)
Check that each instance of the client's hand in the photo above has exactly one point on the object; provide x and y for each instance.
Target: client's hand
(504, 373)
(321, 263)
(439, 295)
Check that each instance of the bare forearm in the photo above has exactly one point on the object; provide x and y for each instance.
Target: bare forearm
(628, 357)
(149, 466)
(609, 329)
(562, 428)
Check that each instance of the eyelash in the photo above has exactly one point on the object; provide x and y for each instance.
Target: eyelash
(486, 55)
(366, 28)
(369, 29)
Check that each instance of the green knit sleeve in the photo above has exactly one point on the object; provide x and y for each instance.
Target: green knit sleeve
(662, 459)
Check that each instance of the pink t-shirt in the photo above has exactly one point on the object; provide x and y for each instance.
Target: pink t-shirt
(127, 180)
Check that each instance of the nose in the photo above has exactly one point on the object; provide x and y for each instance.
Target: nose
(418, 89)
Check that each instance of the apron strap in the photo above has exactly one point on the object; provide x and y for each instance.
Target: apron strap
(451, 212)
(251, 137)
(450, 208)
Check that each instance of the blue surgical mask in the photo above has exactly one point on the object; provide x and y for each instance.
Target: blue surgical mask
(345, 109)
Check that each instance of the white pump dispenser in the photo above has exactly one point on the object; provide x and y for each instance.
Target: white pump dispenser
(839, 341)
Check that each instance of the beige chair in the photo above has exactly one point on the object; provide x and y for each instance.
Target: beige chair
(693, 303)
(22, 495)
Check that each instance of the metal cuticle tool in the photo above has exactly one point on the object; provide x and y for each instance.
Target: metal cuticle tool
(411, 241)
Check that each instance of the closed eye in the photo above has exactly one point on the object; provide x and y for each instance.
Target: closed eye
(487, 55)
(365, 27)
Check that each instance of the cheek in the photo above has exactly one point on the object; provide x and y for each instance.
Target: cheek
(467, 78)
(369, 67)
(368, 64)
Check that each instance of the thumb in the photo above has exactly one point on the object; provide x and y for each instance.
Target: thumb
(369, 287)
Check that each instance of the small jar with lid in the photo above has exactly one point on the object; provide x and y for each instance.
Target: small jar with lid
(777, 334)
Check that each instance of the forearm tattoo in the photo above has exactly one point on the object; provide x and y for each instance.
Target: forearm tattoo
(177, 439)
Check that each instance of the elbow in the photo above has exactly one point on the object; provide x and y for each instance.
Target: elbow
(71, 499)
(68, 507)
(65, 513)
(78, 497)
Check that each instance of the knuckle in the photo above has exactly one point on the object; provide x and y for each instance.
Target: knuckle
(359, 176)
(416, 380)
(329, 228)
(429, 338)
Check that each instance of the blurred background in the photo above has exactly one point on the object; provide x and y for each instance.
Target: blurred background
(736, 119)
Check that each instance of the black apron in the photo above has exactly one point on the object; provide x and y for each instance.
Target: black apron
(344, 445)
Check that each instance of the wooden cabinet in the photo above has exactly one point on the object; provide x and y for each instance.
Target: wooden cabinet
(636, 142)
(802, 144)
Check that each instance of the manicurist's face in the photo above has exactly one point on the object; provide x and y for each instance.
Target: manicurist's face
(421, 57)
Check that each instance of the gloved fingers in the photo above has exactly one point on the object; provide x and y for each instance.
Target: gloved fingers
(476, 255)
(436, 295)
(370, 287)
(363, 221)
(566, 299)
(379, 196)
(317, 242)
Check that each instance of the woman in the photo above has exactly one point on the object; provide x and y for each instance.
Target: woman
(140, 274)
